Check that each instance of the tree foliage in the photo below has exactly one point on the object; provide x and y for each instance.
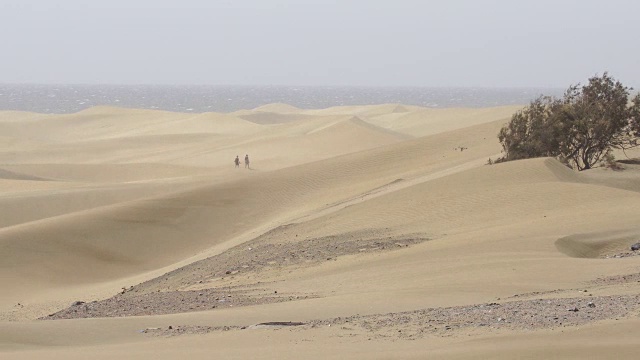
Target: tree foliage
(579, 129)
(635, 117)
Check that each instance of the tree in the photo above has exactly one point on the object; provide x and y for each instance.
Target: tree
(580, 129)
(532, 131)
(634, 126)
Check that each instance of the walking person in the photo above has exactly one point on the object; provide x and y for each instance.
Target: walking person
(237, 161)
(246, 162)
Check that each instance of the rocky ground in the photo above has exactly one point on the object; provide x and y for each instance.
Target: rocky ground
(618, 280)
(202, 286)
(207, 285)
(511, 315)
(621, 254)
(172, 302)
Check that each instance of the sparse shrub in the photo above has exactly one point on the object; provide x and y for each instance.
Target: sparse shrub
(609, 162)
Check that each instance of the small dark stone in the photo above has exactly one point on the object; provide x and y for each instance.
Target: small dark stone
(170, 327)
(636, 246)
(228, 272)
(77, 303)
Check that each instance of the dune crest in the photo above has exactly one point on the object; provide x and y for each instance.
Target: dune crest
(279, 108)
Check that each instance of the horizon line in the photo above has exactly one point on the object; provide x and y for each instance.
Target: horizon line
(282, 85)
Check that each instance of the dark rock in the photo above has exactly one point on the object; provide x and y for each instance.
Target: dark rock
(281, 323)
(636, 246)
(77, 303)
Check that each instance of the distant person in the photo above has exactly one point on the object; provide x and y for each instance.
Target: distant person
(237, 161)
(246, 161)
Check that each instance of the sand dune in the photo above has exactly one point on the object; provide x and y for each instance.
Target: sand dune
(279, 108)
(598, 244)
(209, 140)
(276, 113)
(365, 110)
(8, 174)
(379, 228)
(439, 120)
(107, 122)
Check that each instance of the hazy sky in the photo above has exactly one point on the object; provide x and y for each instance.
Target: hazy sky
(489, 43)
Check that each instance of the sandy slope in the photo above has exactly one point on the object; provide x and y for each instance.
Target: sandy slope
(108, 198)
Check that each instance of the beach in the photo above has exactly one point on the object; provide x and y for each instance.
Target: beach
(357, 232)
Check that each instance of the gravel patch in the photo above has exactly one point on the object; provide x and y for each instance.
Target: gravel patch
(170, 302)
(621, 255)
(617, 279)
(280, 248)
(446, 321)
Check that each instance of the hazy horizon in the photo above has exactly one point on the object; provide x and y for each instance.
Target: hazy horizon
(517, 87)
(65, 98)
(404, 43)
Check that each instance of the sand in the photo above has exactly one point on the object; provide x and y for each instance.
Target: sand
(359, 232)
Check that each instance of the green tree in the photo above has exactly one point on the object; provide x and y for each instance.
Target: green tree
(580, 129)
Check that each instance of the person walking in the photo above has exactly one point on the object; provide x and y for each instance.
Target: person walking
(237, 161)
(246, 161)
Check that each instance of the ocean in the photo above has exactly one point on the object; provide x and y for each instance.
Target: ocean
(202, 98)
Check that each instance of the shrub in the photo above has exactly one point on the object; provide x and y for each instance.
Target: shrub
(581, 128)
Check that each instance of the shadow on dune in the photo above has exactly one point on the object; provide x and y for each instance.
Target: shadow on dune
(635, 161)
(599, 244)
(10, 175)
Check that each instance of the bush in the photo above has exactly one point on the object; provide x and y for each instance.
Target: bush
(581, 128)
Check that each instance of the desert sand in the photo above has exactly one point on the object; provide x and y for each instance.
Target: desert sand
(359, 232)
